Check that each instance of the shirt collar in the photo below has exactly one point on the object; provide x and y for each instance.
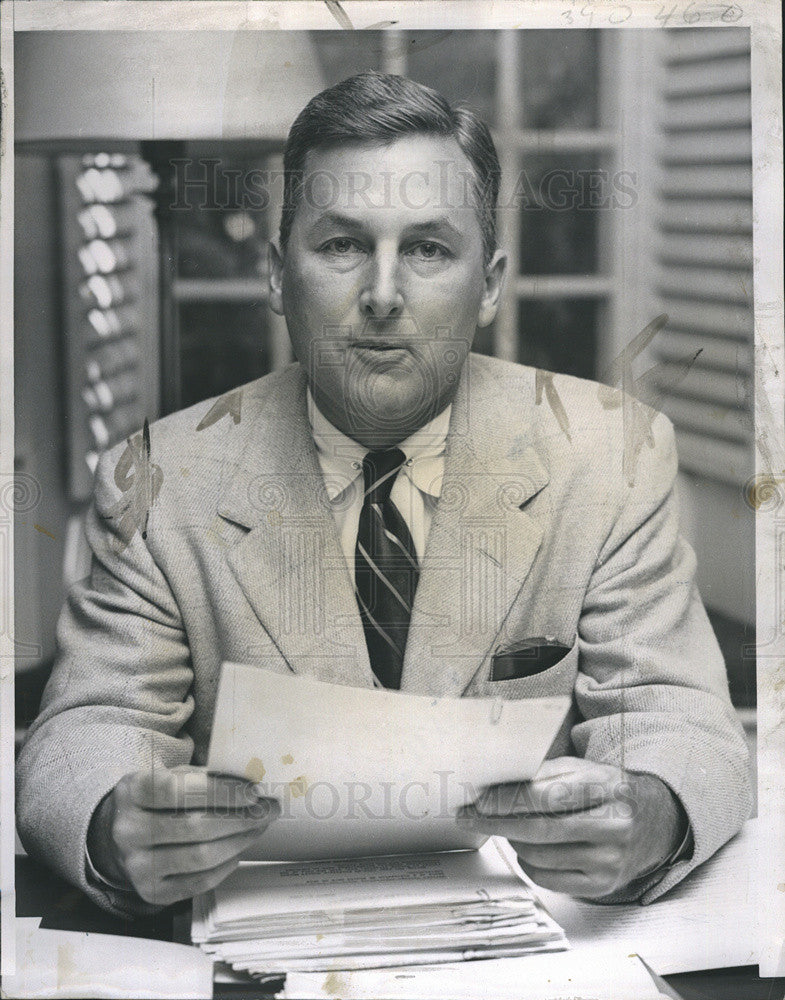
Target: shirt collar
(341, 457)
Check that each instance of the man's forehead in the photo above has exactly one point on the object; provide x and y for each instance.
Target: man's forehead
(417, 146)
(418, 172)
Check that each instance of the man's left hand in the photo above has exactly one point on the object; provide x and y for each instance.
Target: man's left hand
(583, 828)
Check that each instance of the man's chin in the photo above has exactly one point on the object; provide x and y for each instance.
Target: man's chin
(394, 416)
(390, 379)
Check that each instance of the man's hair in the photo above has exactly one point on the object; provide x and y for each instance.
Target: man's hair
(378, 108)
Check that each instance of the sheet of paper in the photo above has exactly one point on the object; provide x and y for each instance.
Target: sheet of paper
(709, 921)
(562, 976)
(253, 893)
(71, 964)
(369, 961)
(362, 771)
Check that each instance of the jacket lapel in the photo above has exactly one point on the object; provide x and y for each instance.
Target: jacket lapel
(482, 543)
(290, 565)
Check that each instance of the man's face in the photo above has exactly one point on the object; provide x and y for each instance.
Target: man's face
(383, 283)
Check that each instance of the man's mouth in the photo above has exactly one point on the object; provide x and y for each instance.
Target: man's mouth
(379, 345)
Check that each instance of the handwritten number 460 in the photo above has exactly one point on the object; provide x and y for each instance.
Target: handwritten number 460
(693, 13)
(729, 13)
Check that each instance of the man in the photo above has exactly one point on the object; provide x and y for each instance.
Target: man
(389, 511)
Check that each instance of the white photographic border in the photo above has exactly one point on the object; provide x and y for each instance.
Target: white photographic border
(764, 19)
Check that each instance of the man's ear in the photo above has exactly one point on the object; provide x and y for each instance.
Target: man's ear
(275, 279)
(494, 283)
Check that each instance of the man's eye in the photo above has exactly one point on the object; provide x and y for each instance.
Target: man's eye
(429, 251)
(340, 246)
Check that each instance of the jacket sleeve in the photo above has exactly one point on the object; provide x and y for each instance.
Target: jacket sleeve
(652, 688)
(117, 701)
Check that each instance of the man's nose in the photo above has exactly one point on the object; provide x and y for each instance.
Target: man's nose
(381, 296)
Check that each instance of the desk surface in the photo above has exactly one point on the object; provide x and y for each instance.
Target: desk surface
(62, 907)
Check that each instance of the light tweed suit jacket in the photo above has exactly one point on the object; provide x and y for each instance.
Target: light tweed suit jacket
(542, 529)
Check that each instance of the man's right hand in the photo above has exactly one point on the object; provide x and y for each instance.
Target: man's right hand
(171, 834)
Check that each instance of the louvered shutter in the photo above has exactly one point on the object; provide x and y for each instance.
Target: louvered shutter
(110, 305)
(703, 248)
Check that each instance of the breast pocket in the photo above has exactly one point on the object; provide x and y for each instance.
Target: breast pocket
(558, 679)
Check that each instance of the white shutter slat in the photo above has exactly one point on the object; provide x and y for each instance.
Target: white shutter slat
(696, 282)
(702, 254)
(718, 250)
(724, 354)
(722, 215)
(705, 384)
(688, 79)
(706, 112)
(708, 180)
(711, 318)
(721, 146)
(705, 44)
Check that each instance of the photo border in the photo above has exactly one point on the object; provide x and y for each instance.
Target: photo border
(767, 492)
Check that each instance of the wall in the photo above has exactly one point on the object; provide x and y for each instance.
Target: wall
(40, 533)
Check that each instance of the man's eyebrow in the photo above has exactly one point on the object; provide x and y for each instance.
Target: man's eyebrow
(336, 219)
(427, 227)
(441, 225)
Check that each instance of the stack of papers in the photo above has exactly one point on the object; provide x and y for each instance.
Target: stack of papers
(372, 913)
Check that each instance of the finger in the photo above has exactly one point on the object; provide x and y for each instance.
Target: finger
(555, 767)
(204, 881)
(157, 827)
(189, 859)
(187, 788)
(571, 784)
(573, 883)
(562, 787)
(591, 859)
(603, 824)
(165, 891)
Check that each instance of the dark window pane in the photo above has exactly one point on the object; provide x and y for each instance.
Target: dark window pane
(558, 335)
(560, 199)
(435, 58)
(344, 53)
(559, 79)
(221, 234)
(223, 345)
(221, 267)
(461, 65)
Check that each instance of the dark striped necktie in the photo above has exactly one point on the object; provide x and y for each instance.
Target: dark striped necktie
(385, 568)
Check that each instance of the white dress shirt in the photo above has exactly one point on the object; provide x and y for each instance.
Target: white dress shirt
(416, 489)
